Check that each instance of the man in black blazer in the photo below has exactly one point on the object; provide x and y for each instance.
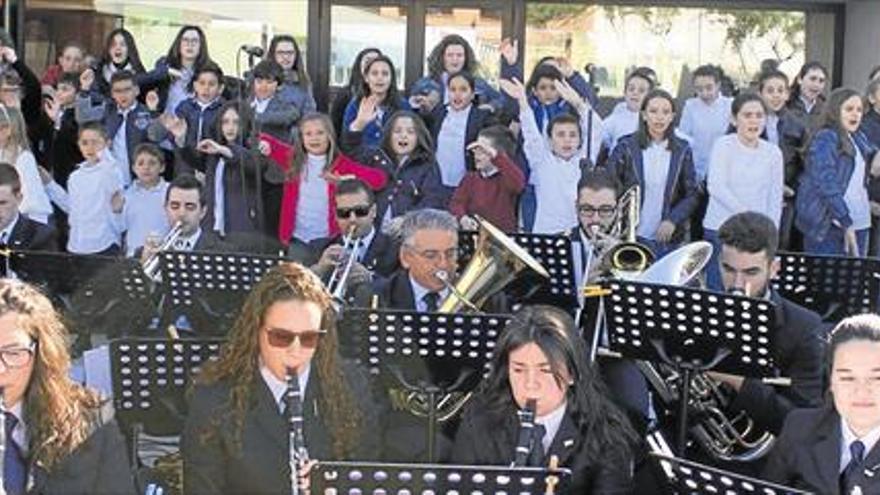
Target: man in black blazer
(17, 231)
(834, 449)
(356, 215)
(748, 262)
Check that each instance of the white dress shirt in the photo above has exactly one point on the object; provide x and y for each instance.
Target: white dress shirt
(419, 292)
(849, 437)
(279, 388)
(93, 225)
(551, 423)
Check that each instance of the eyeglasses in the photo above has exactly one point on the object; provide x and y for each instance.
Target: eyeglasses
(17, 357)
(435, 256)
(283, 339)
(359, 211)
(604, 211)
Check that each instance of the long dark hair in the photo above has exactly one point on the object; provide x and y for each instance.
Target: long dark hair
(245, 120)
(795, 92)
(173, 56)
(239, 358)
(602, 426)
(299, 66)
(392, 97)
(643, 135)
(830, 118)
(435, 59)
(356, 77)
(134, 57)
(424, 150)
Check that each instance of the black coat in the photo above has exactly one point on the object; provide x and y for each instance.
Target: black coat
(396, 292)
(30, 235)
(98, 466)
(483, 440)
(218, 465)
(798, 352)
(381, 256)
(807, 454)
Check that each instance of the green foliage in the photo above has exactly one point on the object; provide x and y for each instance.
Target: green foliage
(741, 25)
(540, 14)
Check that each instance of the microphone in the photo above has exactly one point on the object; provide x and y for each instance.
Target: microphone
(254, 51)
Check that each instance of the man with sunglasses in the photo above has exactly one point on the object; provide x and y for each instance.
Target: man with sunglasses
(355, 214)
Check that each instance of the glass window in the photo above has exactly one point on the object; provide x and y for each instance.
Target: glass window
(671, 40)
(354, 28)
(481, 27)
(228, 25)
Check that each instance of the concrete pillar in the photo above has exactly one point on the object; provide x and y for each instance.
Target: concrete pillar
(861, 45)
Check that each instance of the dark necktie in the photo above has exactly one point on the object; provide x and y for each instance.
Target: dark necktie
(431, 299)
(851, 472)
(536, 456)
(14, 465)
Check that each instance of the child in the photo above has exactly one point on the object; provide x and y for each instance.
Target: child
(379, 98)
(492, 189)
(624, 120)
(307, 205)
(93, 200)
(14, 150)
(555, 165)
(233, 184)
(661, 164)
(787, 131)
(706, 116)
(745, 174)
(63, 152)
(125, 119)
(454, 126)
(144, 212)
(273, 115)
(69, 60)
(407, 155)
(807, 96)
(296, 86)
(188, 52)
(832, 210)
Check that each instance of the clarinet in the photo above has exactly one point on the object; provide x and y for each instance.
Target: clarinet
(298, 455)
(525, 441)
(2, 442)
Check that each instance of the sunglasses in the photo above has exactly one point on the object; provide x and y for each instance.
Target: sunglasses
(359, 211)
(283, 339)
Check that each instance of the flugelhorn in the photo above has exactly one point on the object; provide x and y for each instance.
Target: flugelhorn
(151, 265)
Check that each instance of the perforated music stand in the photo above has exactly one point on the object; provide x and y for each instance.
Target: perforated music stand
(688, 477)
(692, 330)
(95, 292)
(428, 353)
(209, 288)
(553, 252)
(358, 478)
(150, 376)
(833, 286)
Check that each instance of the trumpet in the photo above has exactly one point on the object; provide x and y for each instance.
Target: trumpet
(298, 454)
(151, 265)
(338, 279)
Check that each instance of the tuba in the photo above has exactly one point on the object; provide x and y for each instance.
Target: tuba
(725, 435)
(496, 262)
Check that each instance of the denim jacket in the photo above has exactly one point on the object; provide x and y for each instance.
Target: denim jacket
(682, 192)
(827, 171)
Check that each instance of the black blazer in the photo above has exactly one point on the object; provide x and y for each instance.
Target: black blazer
(395, 292)
(799, 353)
(259, 465)
(98, 466)
(807, 454)
(31, 235)
(381, 256)
(481, 439)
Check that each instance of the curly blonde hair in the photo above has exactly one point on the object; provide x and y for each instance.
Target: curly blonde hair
(239, 357)
(60, 412)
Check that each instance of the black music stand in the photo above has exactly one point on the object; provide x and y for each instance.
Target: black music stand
(209, 288)
(94, 291)
(429, 353)
(833, 286)
(688, 478)
(692, 330)
(553, 252)
(358, 478)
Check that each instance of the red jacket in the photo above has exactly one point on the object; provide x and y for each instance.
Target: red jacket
(343, 165)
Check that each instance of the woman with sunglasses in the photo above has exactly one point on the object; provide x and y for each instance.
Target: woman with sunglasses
(60, 437)
(539, 358)
(236, 435)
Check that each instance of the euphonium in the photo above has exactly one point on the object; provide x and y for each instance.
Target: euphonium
(495, 263)
(297, 452)
(627, 259)
(724, 435)
(151, 265)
